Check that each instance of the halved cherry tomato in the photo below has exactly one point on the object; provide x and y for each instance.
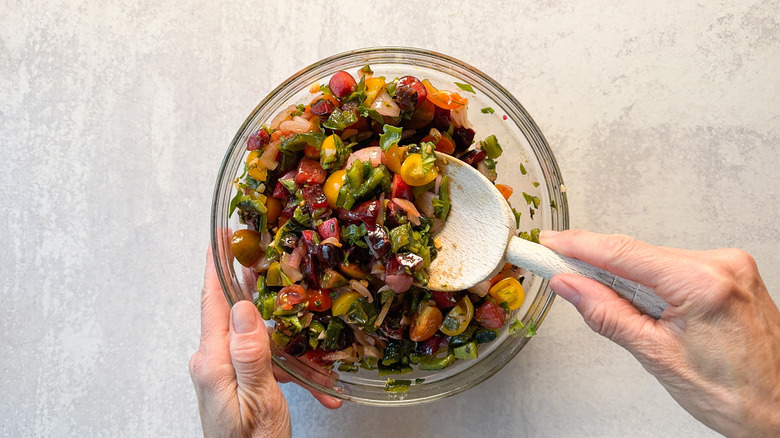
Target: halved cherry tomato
(373, 86)
(505, 190)
(443, 98)
(413, 174)
(328, 149)
(394, 157)
(333, 185)
(343, 302)
(444, 144)
(289, 296)
(508, 291)
(425, 322)
(458, 319)
(319, 299)
(273, 210)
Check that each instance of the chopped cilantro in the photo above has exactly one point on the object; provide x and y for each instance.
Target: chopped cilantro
(517, 217)
(522, 169)
(536, 183)
(487, 110)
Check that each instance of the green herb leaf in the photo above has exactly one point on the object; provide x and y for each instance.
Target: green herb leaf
(522, 169)
(428, 158)
(353, 235)
(325, 89)
(338, 120)
(367, 69)
(536, 183)
(465, 87)
(487, 110)
(390, 136)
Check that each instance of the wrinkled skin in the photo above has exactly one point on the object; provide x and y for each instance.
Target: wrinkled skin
(236, 384)
(716, 348)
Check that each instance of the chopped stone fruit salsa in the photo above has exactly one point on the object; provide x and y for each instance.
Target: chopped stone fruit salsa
(342, 198)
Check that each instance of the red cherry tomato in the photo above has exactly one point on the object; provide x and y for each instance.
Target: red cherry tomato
(319, 299)
(290, 296)
(342, 84)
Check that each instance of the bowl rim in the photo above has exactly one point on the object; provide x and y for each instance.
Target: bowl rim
(518, 115)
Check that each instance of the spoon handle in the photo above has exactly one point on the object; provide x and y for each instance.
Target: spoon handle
(547, 263)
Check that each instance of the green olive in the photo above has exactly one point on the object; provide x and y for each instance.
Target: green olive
(246, 247)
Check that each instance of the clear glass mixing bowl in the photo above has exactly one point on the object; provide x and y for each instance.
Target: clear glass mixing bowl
(524, 146)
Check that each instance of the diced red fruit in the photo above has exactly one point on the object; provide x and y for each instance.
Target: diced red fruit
(298, 344)
(463, 138)
(400, 189)
(378, 241)
(342, 84)
(393, 215)
(441, 119)
(392, 328)
(366, 212)
(310, 172)
(258, 140)
(289, 209)
(316, 356)
(444, 300)
(490, 315)
(311, 152)
(322, 107)
(309, 270)
(413, 83)
(410, 260)
(330, 228)
(329, 255)
(474, 157)
(399, 283)
(314, 196)
(280, 191)
(431, 345)
(393, 266)
(311, 241)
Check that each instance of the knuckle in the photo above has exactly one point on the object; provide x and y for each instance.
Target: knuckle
(196, 365)
(616, 247)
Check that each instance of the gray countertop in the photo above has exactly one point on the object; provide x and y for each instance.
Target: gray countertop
(114, 117)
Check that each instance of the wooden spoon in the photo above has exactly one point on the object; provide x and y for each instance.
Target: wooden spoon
(479, 236)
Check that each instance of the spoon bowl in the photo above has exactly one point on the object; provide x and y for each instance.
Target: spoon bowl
(479, 236)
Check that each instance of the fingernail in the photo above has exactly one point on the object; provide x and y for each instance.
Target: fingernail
(565, 290)
(244, 317)
(547, 234)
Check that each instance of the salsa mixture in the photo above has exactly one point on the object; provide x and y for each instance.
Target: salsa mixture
(342, 198)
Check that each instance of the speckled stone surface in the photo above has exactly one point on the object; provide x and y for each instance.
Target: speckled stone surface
(114, 116)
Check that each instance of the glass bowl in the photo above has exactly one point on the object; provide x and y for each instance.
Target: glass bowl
(527, 165)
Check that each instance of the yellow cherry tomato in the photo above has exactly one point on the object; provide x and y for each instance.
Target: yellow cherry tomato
(373, 86)
(254, 168)
(458, 318)
(412, 171)
(394, 157)
(333, 185)
(273, 210)
(328, 149)
(343, 302)
(508, 291)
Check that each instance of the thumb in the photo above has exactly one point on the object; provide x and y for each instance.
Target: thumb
(250, 348)
(605, 312)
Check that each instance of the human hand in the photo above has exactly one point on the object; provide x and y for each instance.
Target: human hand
(716, 348)
(238, 393)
